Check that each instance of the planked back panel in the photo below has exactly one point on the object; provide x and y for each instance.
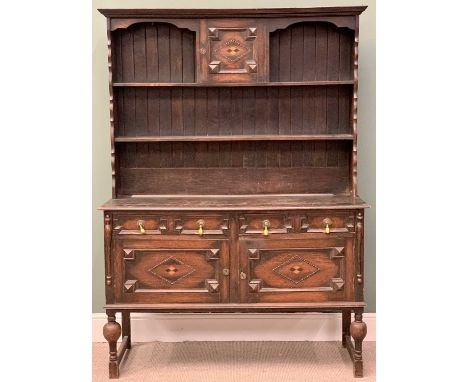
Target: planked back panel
(233, 111)
(234, 167)
(153, 52)
(311, 51)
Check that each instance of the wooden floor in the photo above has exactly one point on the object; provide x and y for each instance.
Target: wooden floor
(236, 362)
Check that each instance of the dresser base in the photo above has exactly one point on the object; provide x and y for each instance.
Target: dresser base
(355, 330)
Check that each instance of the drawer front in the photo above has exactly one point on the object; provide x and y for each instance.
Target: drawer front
(172, 270)
(137, 224)
(265, 224)
(317, 222)
(285, 270)
(201, 225)
(232, 51)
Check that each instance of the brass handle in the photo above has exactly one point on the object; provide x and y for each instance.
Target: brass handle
(141, 226)
(226, 272)
(243, 276)
(327, 223)
(200, 223)
(266, 225)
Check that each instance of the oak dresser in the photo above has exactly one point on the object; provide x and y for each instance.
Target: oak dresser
(234, 166)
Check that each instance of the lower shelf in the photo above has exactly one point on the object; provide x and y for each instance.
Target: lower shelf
(230, 308)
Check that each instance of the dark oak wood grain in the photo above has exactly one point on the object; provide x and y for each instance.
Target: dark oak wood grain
(235, 203)
(234, 166)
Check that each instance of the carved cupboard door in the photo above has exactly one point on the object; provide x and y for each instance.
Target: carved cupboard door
(232, 51)
(290, 270)
(171, 270)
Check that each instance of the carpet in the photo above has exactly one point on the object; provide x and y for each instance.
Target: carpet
(235, 362)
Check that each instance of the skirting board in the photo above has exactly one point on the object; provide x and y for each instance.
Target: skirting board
(147, 327)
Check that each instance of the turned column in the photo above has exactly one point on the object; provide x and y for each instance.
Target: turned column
(358, 330)
(111, 333)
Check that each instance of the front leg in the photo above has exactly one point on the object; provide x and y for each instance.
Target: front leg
(358, 330)
(345, 323)
(111, 333)
(126, 328)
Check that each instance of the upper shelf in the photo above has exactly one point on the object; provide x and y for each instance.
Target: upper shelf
(232, 84)
(221, 138)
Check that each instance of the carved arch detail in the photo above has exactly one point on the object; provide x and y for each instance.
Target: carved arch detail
(191, 25)
(338, 22)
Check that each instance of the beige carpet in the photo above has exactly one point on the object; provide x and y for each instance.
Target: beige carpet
(235, 362)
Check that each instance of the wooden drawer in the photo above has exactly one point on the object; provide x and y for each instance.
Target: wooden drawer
(201, 225)
(316, 222)
(265, 223)
(137, 224)
(170, 270)
(149, 224)
(296, 270)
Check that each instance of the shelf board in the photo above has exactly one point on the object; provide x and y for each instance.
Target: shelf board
(227, 138)
(257, 202)
(231, 84)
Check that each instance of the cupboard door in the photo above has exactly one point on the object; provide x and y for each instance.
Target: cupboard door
(171, 270)
(232, 51)
(290, 270)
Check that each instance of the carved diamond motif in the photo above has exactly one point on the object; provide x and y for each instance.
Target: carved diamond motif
(171, 270)
(232, 50)
(296, 269)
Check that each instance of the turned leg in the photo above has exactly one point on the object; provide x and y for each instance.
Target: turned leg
(111, 333)
(358, 330)
(126, 329)
(345, 323)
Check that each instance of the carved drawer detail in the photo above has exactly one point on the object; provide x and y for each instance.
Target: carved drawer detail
(336, 221)
(140, 224)
(256, 224)
(201, 225)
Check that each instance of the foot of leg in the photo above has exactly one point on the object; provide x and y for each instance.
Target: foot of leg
(358, 330)
(111, 333)
(345, 323)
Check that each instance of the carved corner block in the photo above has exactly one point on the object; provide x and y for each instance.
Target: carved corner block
(251, 33)
(212, 254)
(251, 66)
(255, 285)
(254, 254)
(213, 33)
(337, 284)
(129, 254)
(214, 66)
(130, 286)
(212, 286)
(336, 253)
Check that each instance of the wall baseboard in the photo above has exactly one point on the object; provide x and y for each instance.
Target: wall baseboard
(147, 327)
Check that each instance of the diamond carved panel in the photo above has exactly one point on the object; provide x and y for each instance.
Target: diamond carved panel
(171, 270)
(232, 50)
(296, 269)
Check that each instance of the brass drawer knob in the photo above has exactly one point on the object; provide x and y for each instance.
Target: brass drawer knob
(243, 276)
(327, 223)
(141, 226)
(200, 223)
(266, 225)
(226, 272)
